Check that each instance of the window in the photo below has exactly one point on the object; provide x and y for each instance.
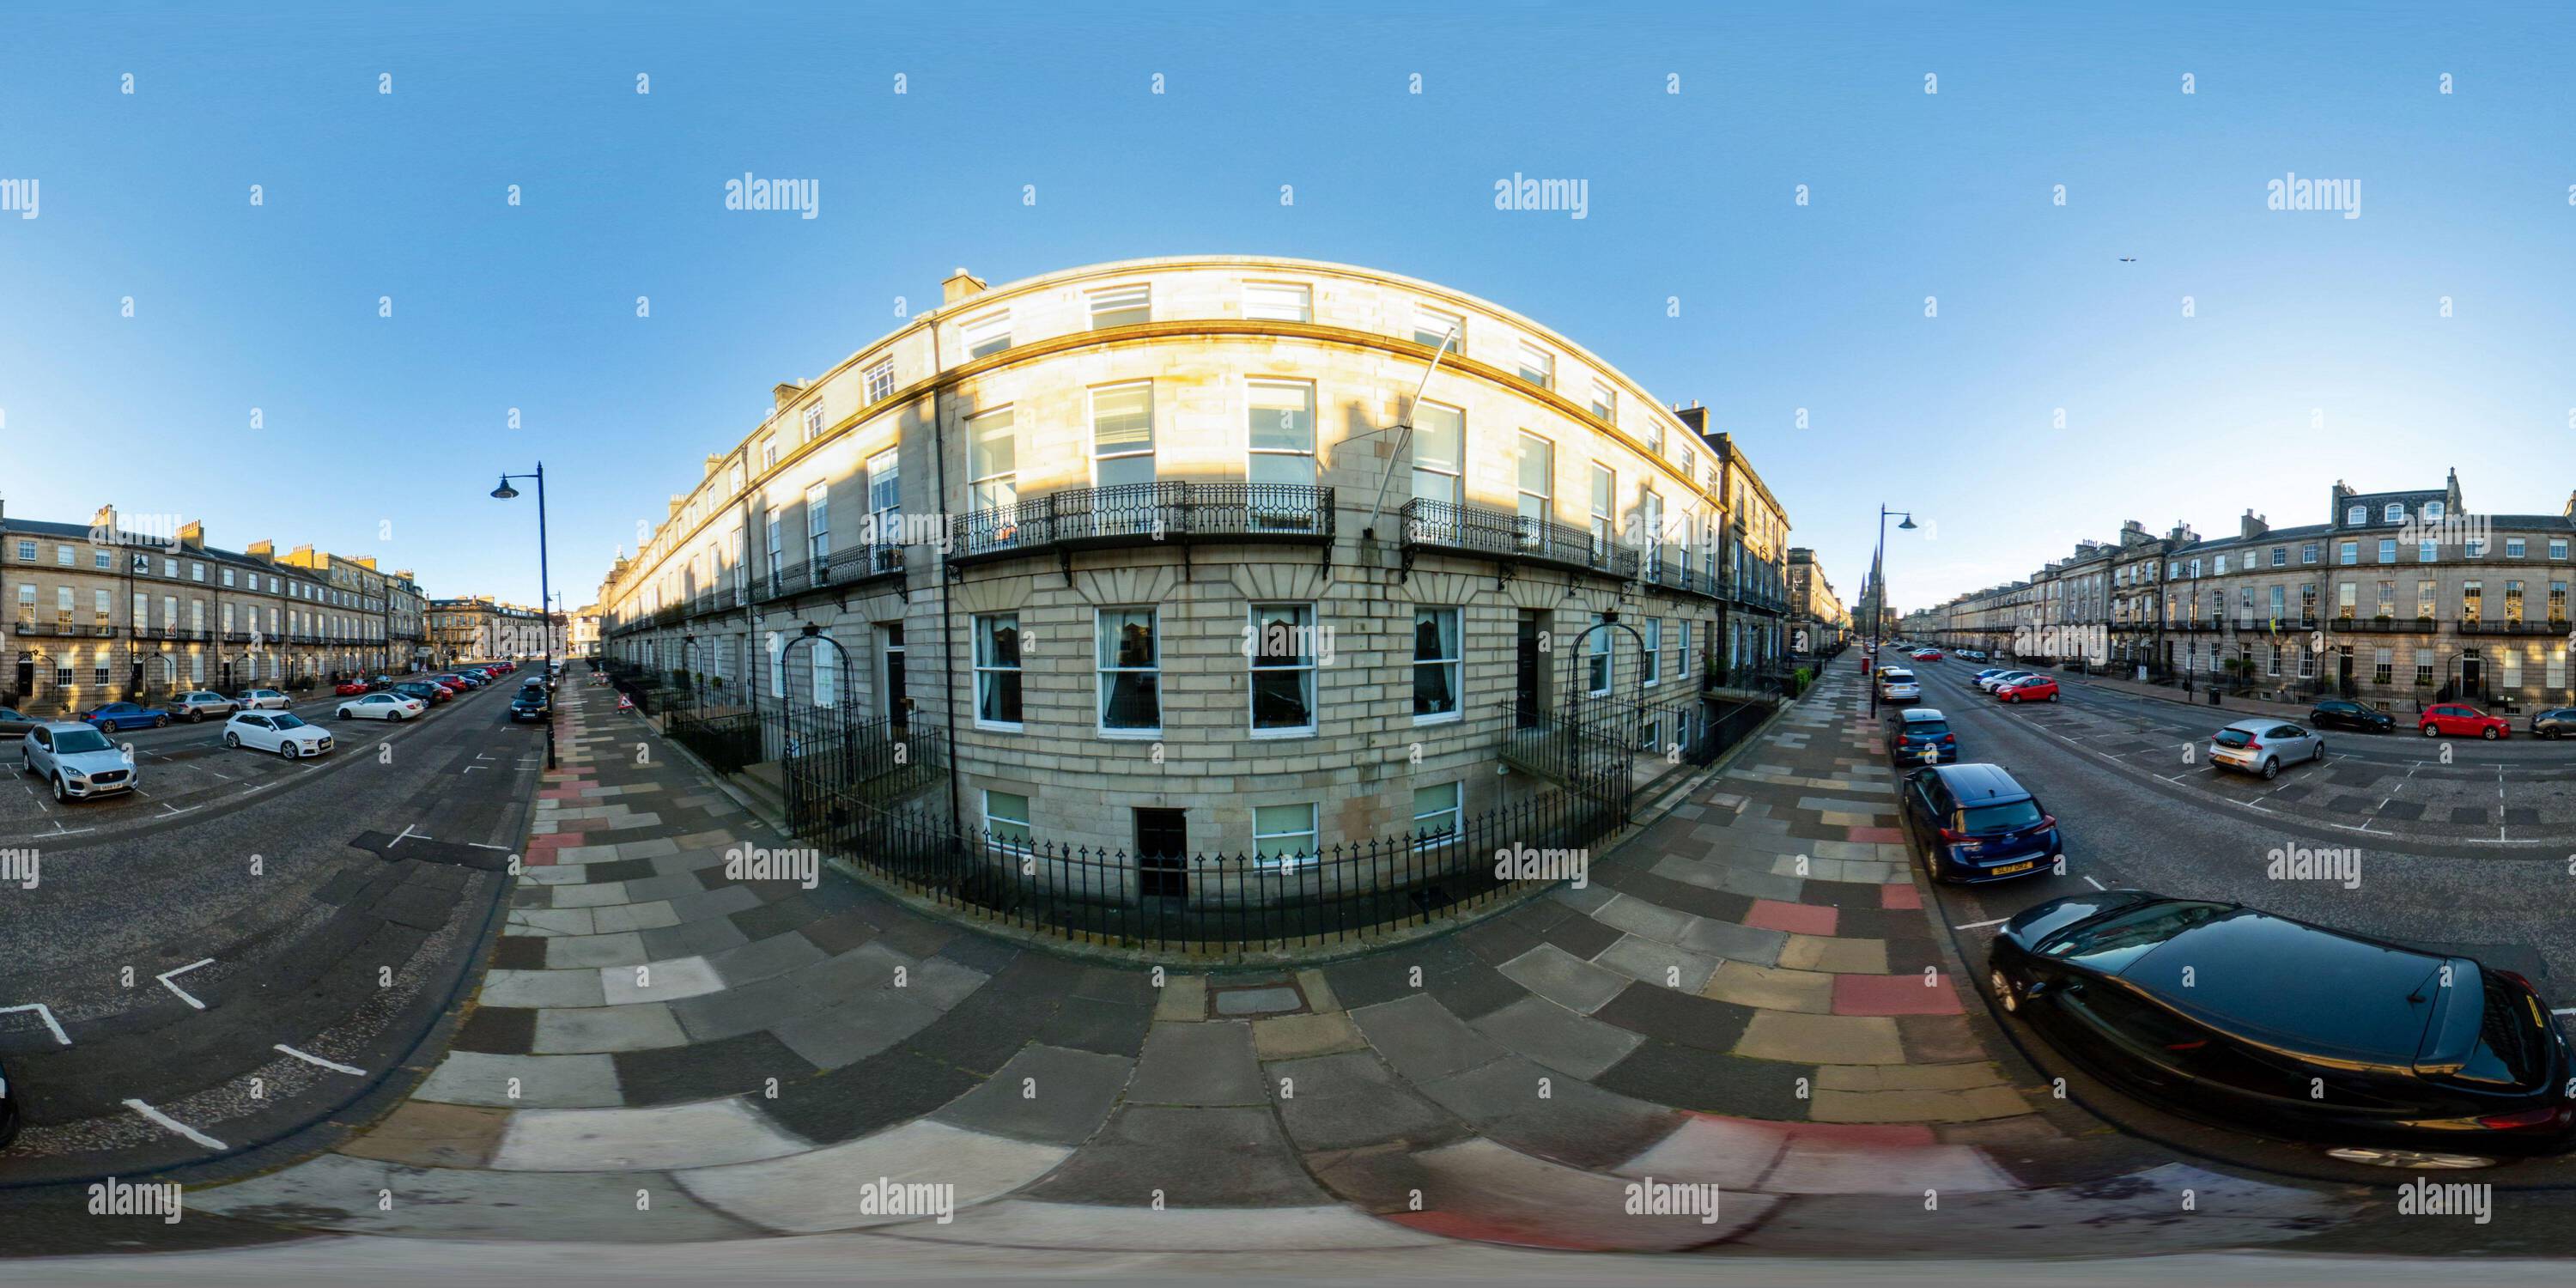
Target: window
(2510, 663)
(2388, 550)
(2558, 547)
(997, 669)
(2348, 552)
(2357, 516)
(1280, 433)
(1605, 493)
(1654, 658)
(769, 453)
(2554, 673)
(2557, 602)
(1129, 670)
(1435, 812)
(994, 468)
(2474, 548)
(2273, 665)
(1122, 305)
(2513, 547)
(2307, 665)
(813, 421)
(1122, 434)
(818, 530)
(142, 563)
(2423, 668)
(1537, 365)
(2424, 600)
(1284, 835)
(2195, 567)
(2387, 599)
(1597, 665)
(2426, 552)
(1688, 460)
(196, 572)
(2472, 597)
(2432, 511)
(2513, 601)
(988, 334)
(1650, 525)
(827, 675)
(2383, 667)
(2308, 553)
(228, 576)
(2344, 600)
(1534, 481)
(1278, 301)
(879, 382)
(1282, 656)
(1439, 452)
(885, 501)
(777, 558)
(1006, 819)
(1605, 402)
(63, 558)
(27, 551)
(1435, 664)
(2393, 513)
(2280, 556)
(1436, 327)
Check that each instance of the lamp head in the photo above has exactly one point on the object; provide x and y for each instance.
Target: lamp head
(1906, 526)
(505, 491)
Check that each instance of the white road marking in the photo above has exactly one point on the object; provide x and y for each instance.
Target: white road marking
(1980, 925)
(310, 1058)
(175, 1125)
(44, 1014)
(164, 977)
(2564, 1010)
(481, 846)
(407, 834)
(2088, 880)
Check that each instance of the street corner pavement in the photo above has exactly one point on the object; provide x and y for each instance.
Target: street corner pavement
(1738, 1029)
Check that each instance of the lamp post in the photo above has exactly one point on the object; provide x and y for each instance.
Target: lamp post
(545, 593)
(1878, 592)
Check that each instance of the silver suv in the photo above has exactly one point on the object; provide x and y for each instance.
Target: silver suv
(76, 760)
(201, 704)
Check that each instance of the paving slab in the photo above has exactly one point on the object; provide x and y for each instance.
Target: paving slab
(1563, 978)
(635, 1027)
(1097, 1227)
(1558, 1038)
(846, 1186)
(1049, 1095)
(1198, 1064)
(523, 1081)
(625, 1140)
(337, 1193)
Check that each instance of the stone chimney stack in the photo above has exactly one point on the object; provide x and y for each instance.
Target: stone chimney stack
(2252, 525)
(192, 534)
(960, 285)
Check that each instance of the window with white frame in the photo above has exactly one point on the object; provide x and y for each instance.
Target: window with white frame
(1129, 670)
(988, 334)
(2356, 516)
(2427, 551)
(1439, 452)
(2513, 547)
(1654, 658)
(878, 382)
(1284, 835)
(997, 670)
(1122, 305)
(993, 461)
(1281, 654)
(1534, 483)
(1605, 401)
(827, 674)
(1537, 365)
(1006, 819)
(769, 453)
(26, 551)
(885, 499)
(1122, 434)
(818, 530)
(1597, 664)
(813, 422)
(777, 554)
(63, 558)
(1280, 432)
(1605, 505)
(1436, 664)
(1437, 327)
(2393, 512)
(1279, 301)
(1435, 812)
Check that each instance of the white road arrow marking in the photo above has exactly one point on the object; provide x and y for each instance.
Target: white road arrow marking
(164, 977)
(175, 1125)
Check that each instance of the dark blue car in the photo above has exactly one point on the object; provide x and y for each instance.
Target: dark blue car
(1973, 823)
(1920, 736)
(116, 716)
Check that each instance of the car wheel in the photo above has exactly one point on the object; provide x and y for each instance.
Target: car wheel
(2052, 697)
(160, 722)
(2489, 733)
(62, 789)
(344, 713)
(2431, 732)
(2004, 992)
(195, 715)
(2012, 697)
(233, 740)
(2550, 732)
(287, 750)
(2321, 751)
(2271, 768)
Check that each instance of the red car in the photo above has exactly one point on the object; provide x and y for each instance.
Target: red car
(2452, 720)
(350, 688)
(2038, 688)
(1928, 655)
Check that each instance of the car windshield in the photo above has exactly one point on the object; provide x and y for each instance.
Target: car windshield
(72, 742)
(287, 722)
(1987, 820)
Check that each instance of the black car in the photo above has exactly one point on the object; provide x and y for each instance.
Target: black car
(530, 704)
(2335, 713)
(8, 1112)
(1920, 736)
(2222, 1011)
(1974, 823)
(2556, 722)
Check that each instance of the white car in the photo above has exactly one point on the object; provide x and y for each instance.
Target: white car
(263, 700)
(1895, 685)
(77, 760)
(2001, 678)
(382, 706)
(285, 734)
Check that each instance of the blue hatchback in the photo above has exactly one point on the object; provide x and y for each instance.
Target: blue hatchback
(116, 716)
(1920, 736)
(1973, 823)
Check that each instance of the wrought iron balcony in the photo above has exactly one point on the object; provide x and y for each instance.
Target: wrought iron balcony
(841, 568)
(1501, 534)
(1136, 514)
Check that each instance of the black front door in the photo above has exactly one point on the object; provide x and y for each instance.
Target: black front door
(1162, 847)
(2472, 679)
(26, 679)
(2343, 672)
(894, 704)
(1525, 694)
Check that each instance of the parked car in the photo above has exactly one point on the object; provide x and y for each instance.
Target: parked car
(280, 732)
(1920, 736)
(1973, 823)
(349, 688)
(424, 691)
(2453, 720)
(1896, 684)
(460, 679)
(2336, 713)
(530, 704)
(8, 1111)
(1990, 683)
(262, 700)
(76, 760)
(202, 703)
(2029, 688)
(1928, 655)
(382, 706)
(2556, 722)
(2263, 746)
(2222, 1011)
(113, 717)
(14, 724)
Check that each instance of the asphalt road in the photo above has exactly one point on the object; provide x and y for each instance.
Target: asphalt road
(2111, 766)
(246, 946)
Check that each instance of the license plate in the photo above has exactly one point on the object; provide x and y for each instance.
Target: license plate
(2010, 868)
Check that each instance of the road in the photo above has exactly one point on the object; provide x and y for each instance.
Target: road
(246, 945)
(2469, 856)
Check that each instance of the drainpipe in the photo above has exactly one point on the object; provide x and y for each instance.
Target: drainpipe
(947, 615)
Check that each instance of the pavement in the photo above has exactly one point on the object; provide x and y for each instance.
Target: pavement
(1746, 995)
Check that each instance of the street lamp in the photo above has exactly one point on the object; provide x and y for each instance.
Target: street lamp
(1878, 591)
(545, 593)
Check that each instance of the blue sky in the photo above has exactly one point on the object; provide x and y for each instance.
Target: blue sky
(400, 421)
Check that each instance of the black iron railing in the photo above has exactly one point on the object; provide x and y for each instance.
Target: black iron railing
(1143, 513)
(1476, 529)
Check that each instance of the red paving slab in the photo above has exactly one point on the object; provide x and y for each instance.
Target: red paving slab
(1794, 918)
(1893, 995)
(1900, 896)
(1877, 835)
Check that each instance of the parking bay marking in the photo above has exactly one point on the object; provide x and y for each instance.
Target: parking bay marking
(164, 977)
(175, 1125)
(42, 1013)
(310, 1058)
